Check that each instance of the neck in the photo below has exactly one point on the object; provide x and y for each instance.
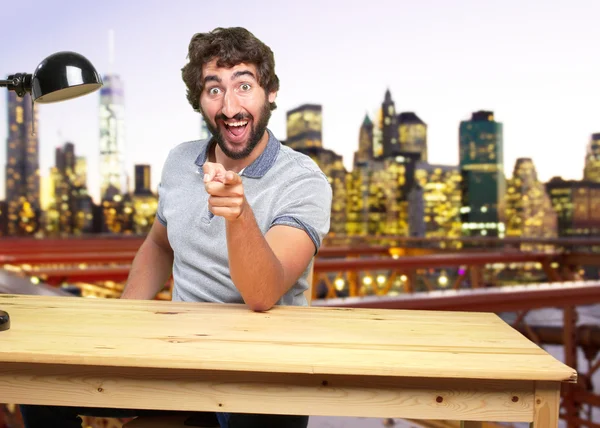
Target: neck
(236, 165)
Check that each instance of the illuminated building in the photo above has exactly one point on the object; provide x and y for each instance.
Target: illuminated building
(142, 180)
(46, 193)
(378, 136)
(577, 205)
(112, 209)
(591, 171)
(412, 134)
(398, 181)
(529, 211)
(145, 203)
(304, 127)
(379, 203)
(357, 198)
(483, 181)
(442, 200)
(376, 206)
(69, 207)
(22, 167)
(379, 186)
(72, 211)
(51, 211)
(358, 182)
(389, 127)
(365, 143)
(83, 209)
(3, 218)
(416, 212)
(80, 171)
(64, 188)
(112, 136)
(126, 218)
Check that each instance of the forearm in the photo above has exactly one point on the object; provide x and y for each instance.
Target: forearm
(150, 269)
(254, 268)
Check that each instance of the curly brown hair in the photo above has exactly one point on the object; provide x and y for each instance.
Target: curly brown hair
(230, 46)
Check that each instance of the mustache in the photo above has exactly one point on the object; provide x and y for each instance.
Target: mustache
(237, 117)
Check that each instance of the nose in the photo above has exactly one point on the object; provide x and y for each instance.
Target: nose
(231, 104)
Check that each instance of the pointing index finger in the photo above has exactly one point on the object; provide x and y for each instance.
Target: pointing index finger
(213, 171)
(232, 178)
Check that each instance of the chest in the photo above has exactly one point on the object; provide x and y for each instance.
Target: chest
(185, 207)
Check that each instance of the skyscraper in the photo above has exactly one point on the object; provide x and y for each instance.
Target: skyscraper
(71, 210)
(81, 171)
(397, 181)
(389, 126)
(591, 171)
(112, 136)
(442, 200)
(412, 134)
(365, 143)
(22, 167)
(64, 186)
(482, 171)
(145, 203)
(142, 180)
(357, 182)
(304, 126)
(577, 205)
(529, 211)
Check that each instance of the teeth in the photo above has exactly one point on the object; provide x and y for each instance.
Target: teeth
(242, 123)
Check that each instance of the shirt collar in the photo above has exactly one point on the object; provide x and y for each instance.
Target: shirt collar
(261, 164)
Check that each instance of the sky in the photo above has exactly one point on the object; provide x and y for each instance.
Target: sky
(534, 63)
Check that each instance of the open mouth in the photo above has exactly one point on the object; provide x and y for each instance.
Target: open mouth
(236, 131)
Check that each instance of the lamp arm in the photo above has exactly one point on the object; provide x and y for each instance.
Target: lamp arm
(19, 82)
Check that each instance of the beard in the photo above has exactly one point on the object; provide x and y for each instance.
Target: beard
(256, 132)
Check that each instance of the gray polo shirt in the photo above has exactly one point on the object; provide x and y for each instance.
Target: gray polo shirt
(282, 186)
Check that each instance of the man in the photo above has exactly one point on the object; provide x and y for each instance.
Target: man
(240, 216)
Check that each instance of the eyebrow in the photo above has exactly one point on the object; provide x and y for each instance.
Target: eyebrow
(212, 78)
(236, 75)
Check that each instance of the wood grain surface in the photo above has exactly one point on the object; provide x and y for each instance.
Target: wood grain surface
(304, 340)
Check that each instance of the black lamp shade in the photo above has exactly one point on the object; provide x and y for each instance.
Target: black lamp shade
(62, 76)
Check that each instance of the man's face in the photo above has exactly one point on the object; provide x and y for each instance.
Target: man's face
(235, 107)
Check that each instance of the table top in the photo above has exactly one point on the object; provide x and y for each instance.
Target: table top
(308, 340)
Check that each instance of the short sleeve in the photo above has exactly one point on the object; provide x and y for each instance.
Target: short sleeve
(161, 198)
(162, 191)
(305, 203)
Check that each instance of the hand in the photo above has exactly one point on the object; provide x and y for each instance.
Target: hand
(226, 191)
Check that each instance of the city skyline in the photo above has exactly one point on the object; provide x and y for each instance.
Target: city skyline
(538, 81)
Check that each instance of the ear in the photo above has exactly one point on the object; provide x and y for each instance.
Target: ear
(272, 96)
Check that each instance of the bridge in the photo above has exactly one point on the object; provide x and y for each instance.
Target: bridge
(510, 276)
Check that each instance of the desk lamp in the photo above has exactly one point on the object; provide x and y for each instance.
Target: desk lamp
(61, 76)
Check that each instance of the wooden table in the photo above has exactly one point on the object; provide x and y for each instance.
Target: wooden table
(290, 360)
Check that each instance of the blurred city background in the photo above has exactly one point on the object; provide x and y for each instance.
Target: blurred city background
(461, 140)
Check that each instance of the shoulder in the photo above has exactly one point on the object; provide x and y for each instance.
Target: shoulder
(293, 165)
(188, 149)
(184, 153)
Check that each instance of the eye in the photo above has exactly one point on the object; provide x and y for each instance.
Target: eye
(245, 87)
(214, 91)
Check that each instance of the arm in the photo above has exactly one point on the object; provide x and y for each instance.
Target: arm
(152, 265)
(263, 268)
